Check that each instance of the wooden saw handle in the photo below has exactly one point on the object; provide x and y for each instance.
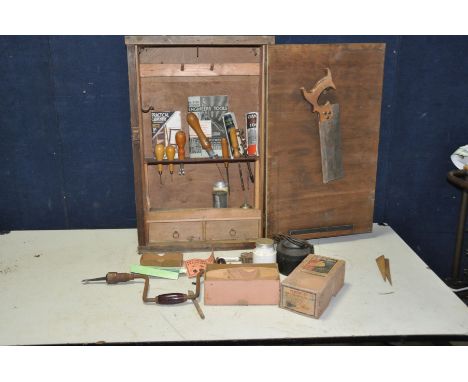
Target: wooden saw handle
(324, 111)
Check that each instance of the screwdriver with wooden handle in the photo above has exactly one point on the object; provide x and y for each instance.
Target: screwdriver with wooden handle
(180, 140)
(236, 154)
(159, 154)
(225, 150)
(170, 155)
(194, 123)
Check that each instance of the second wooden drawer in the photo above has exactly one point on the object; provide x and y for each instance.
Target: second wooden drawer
(232, 229)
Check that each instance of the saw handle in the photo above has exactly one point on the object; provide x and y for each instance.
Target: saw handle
(234, 143)
(324, 111)
(171, 298)
(194, 123)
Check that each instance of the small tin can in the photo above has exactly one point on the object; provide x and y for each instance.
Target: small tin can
(264, 251)
(220, 195)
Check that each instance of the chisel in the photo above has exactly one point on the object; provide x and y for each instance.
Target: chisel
(244, 153)
(236, 154)
(194, 123)
(225, 149)
(180, 140)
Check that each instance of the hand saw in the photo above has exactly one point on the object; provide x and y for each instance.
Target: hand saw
(329, 128)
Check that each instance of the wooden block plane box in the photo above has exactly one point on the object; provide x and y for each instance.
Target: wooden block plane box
(240, 284)
(310, 287)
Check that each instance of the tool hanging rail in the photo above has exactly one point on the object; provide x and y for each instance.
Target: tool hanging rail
(151, 161)
(199, 70)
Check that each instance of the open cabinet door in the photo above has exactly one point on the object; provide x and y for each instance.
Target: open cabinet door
(298, 201)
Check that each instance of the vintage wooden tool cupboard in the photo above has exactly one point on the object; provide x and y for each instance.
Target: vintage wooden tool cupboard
(288, 195)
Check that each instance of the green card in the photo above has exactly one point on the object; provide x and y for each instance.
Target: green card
(155, 271)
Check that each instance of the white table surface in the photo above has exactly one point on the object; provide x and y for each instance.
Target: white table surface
(42, 300)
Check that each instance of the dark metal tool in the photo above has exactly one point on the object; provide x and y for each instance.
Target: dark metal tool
(329, 128)
(162, 299)
(243, 151)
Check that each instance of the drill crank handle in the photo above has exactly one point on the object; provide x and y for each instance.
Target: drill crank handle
(171, 298)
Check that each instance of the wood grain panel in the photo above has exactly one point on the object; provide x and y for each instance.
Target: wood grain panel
(199, 70)
(200, 40)
(132, 60)
(296, 196)
(199, 55)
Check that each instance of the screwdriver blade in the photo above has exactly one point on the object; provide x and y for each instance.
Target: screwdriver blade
(96, 279)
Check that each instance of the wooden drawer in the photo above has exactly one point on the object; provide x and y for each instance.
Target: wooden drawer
(232, 229)
(175, 231)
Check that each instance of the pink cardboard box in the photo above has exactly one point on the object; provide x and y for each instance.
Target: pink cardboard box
(242, 284)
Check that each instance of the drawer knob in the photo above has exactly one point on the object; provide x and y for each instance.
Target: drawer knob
(175, 235)
(232, 232)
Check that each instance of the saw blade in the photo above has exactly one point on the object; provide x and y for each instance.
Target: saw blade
(330, 146)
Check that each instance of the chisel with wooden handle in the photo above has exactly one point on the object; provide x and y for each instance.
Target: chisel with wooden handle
(225, 150)
(180, 140)
(194, 123)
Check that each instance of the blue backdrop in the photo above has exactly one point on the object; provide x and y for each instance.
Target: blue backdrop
(65, 144)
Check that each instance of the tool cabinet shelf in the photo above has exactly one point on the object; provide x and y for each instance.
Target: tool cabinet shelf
(288, 194)
(151, 161)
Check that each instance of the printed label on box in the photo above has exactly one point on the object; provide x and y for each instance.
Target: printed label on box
(319, 265)
(298, 300)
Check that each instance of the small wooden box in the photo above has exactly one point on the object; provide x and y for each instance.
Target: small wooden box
(310, 287)
(288, 194)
